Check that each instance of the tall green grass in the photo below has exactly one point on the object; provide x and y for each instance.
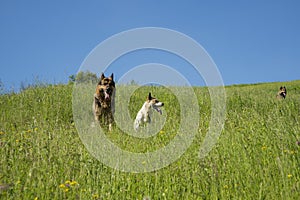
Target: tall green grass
(256, 157)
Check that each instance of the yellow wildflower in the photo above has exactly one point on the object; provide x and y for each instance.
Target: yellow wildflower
(73, 183)
(67, 185)
(263, 148)
(290, 175)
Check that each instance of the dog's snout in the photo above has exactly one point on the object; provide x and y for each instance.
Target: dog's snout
(162, 104)
(108, 90)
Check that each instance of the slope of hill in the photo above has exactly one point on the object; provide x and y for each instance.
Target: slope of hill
(257, 155)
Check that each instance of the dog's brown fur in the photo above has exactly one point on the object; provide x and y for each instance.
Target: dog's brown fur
(104, 101)
(282, 93)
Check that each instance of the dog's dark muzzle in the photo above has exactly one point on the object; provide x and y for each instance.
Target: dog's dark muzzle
(109, 90)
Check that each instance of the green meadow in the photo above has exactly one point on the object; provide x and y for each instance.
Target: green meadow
(257, 155)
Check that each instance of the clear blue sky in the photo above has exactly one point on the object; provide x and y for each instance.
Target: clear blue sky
(250, 41)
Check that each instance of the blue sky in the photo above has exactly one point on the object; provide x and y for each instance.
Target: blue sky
(249, 41)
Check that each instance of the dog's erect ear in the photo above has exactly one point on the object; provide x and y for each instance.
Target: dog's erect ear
(112, 76)
(280, 88)
(102, 76)
(149, 96)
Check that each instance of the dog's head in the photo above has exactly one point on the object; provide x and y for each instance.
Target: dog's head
(155, 103)
(282, 92)
(105, 87)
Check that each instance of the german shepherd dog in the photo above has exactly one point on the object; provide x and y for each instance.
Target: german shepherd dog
(144, 114)
(282, 93)
(104, 101)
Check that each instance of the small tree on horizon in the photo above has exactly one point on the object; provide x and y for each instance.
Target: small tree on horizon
(2, 88)
(83, 77)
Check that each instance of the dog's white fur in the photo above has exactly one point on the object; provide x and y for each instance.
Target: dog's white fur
(144, 114)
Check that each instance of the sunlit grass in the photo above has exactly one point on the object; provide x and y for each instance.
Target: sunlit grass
(257, 155)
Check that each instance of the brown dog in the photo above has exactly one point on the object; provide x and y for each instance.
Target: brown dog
(282, 93)
(104, 101)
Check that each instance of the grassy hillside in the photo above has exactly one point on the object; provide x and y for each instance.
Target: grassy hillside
(257, 155)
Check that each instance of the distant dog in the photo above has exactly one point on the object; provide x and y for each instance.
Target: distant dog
(144, 114)
(104, 101)
(282, 93)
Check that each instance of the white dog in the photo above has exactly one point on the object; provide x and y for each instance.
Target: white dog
(144, 115)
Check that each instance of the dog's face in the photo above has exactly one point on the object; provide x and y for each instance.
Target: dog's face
(282, 91)
(155, 103)
(105, 87)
